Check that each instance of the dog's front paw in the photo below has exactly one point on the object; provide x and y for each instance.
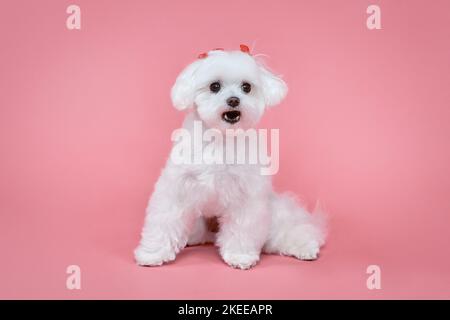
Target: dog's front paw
(146, 257)
(240, 260)
(307, 251)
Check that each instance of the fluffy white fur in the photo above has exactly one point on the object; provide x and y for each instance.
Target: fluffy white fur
(252, 217)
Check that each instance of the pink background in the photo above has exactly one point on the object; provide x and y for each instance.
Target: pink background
(85, 124)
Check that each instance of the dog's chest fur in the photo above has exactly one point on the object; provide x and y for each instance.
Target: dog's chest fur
(222, 186)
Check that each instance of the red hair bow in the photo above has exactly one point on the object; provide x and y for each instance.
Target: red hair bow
(243, 48)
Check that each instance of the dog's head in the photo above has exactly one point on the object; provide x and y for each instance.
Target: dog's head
(228, 89)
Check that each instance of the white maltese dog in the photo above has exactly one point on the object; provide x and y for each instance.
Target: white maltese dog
(231, 205)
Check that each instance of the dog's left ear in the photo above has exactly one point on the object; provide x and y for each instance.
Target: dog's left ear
(183, 91)
(274, 88)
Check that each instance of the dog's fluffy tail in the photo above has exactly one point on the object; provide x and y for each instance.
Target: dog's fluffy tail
(289, 216)
(319, 218)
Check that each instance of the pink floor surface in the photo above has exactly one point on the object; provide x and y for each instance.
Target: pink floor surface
(35, 260)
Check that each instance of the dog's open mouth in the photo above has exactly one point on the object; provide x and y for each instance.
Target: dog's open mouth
(231, 116)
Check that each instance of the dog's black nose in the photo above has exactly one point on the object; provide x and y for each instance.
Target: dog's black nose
(233, 102)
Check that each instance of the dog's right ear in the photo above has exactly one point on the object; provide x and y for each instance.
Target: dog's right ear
(183, 91)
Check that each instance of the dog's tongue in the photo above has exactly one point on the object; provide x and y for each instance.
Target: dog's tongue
(231, 116)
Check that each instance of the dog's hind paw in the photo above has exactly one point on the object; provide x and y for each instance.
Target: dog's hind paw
(307, 251)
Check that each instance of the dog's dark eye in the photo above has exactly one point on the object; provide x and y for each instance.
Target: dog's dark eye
(214, 87)
(246, 87)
